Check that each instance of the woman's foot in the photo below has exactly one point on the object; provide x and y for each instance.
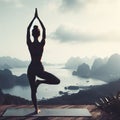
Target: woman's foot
(37, 111)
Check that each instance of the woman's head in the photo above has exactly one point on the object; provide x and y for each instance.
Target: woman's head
(35, 31)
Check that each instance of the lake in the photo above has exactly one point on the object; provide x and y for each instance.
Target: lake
(46, 91)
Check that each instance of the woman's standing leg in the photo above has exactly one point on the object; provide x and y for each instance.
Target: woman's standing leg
(33, 91)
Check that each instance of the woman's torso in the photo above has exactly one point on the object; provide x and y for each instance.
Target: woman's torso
(36, 51)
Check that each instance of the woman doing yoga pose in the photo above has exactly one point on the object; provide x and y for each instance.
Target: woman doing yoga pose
(36, 68)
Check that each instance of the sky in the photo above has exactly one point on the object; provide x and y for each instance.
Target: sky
(83, 28)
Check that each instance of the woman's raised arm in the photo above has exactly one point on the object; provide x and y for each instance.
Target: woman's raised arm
(42, 25)
(28, 31)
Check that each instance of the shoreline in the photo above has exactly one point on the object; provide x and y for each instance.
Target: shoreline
(89, 96)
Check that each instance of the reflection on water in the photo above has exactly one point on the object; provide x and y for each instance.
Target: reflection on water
(48, 91)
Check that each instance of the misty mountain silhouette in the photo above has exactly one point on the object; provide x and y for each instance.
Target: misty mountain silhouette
(7, 62)
(101, 69)
(83, 71)
(74, 62)
(8, 80)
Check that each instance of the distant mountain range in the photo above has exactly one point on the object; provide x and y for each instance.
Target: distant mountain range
(103, 69)
(74, 62)
(9, 62)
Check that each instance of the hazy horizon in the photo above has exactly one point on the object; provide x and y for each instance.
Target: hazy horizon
(87, 59)
(83, 28)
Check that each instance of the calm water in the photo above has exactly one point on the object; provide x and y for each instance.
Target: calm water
(48, 91)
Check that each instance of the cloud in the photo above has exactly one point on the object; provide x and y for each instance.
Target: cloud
(16, 3)
(71, 5)
(65, 35)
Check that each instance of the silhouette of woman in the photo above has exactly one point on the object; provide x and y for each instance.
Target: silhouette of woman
(36, 68)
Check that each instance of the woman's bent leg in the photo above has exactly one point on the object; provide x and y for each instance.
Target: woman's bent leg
(48, 78)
